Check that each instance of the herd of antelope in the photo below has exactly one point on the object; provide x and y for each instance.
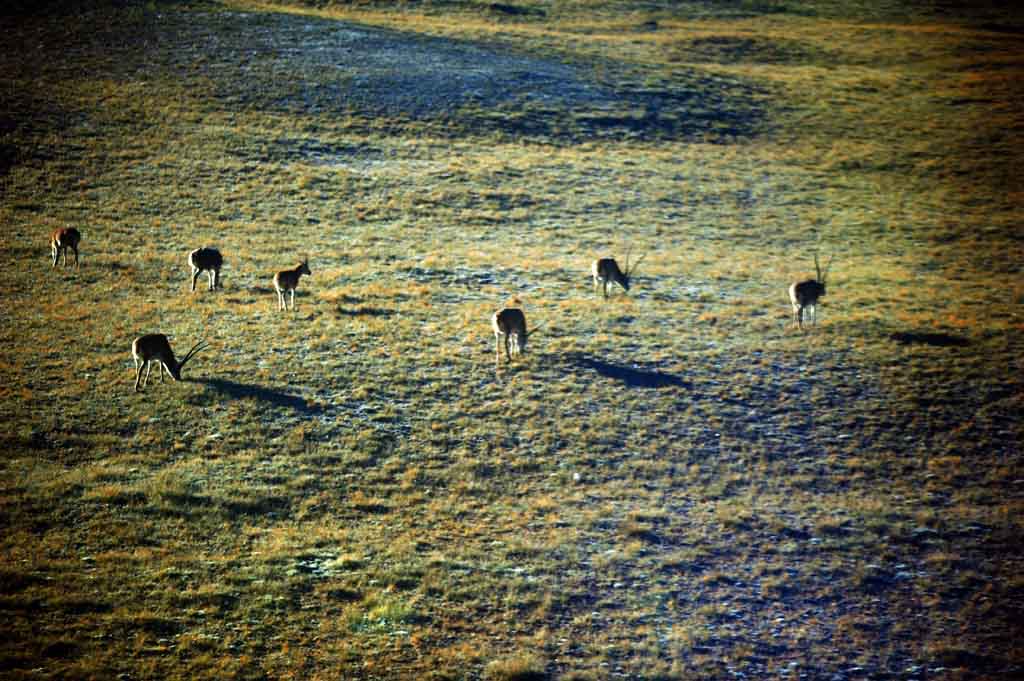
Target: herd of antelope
(509, 324)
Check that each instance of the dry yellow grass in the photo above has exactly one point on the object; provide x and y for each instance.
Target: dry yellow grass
(671, 484)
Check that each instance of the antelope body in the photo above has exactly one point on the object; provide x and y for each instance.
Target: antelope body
(61, 241)
(154, 347)
(288, 280)
(606, 271)
(207, 260)
(805, 294)
(509, 323)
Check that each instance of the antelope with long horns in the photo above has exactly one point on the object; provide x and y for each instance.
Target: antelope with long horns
(288, 280)
(154, 347)
(805, 294)
(207, 260)
(606, 271)
(510, 324)
(62, 240)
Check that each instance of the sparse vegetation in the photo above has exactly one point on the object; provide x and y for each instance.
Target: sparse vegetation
(672, 483)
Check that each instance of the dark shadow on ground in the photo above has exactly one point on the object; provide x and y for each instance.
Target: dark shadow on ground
(276, 398)
(363, 311)
(631, 376)
(940, 340)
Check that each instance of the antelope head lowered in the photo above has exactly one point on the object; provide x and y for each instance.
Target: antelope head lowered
(510, 324)
(154, 347)
(209, 260)
(606, 271)
(62, 240)
(805, 294)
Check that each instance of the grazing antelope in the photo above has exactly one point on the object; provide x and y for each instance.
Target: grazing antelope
(209, 260)
(288, 280)
(153, 347)
(510, 322)
(63, 239)
(606, 271)
(805, 294)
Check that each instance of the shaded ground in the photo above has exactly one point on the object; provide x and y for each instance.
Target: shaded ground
(307, 65)
(465, 85)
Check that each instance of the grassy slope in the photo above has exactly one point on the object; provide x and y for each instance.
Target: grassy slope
(672, 483)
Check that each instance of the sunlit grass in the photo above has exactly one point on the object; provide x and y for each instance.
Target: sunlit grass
(674, 483)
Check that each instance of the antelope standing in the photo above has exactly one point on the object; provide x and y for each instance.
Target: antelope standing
(288, 280)
(63, 239)
(154, 347)
(805, 294)
(209, 260)
(510, 322)
(606, 271)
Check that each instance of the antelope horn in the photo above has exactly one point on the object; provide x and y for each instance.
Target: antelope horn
(827, 266)
(635, 265)
(201, 345)
(534, 330)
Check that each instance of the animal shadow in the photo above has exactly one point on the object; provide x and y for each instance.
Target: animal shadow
(273, 397)
(939, 340)
(631, 376)
(363, 311)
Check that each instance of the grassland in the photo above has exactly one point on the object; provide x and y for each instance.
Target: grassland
(674, 483)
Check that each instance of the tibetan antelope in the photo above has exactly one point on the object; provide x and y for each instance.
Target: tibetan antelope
(63, 239)
(805, 294)
(510, 322)
(209, 260)
(153, 347)
(606, 271)
(288, 280)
